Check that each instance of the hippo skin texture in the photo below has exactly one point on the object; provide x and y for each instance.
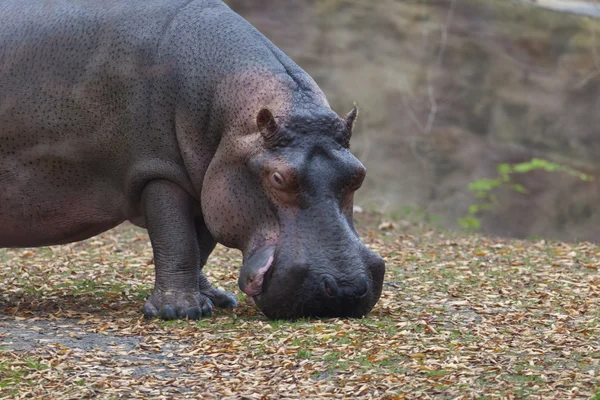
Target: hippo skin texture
(182, 118)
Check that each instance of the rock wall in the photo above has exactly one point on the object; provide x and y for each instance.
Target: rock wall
(449, 89)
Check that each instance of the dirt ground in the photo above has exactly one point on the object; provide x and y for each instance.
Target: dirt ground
(460, 317)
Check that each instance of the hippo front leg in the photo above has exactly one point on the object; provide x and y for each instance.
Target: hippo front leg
(181, 289)
(207, 243)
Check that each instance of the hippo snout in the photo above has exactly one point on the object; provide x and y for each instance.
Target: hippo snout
(376, 267)
(349, 289)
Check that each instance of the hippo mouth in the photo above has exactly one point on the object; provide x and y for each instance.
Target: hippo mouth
(266, 280)
(301, 291)
(254, 271)
(284, 285)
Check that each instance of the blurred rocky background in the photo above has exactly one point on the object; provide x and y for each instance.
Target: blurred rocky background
(449, 89)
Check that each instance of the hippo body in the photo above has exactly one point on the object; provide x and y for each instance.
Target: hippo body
(180, 117)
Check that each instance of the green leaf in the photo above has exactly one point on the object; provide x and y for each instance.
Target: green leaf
(519, 188)
(484, 184)
(504, 170)
(473, 208)
(486, 206)
(484, 188)
(469, 222)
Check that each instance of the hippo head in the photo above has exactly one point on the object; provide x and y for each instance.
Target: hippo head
(283, 194)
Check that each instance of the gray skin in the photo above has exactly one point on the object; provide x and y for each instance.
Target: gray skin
(182, 118)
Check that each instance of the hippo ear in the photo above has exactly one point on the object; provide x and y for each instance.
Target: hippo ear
(254, 270)
(267, 125)
(351, 117)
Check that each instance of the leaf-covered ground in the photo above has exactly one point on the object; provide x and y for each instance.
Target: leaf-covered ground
(460, 317)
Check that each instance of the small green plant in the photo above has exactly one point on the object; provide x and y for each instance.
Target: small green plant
(484, 188)
(303, 353)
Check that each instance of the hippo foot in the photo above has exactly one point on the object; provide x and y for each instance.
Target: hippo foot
(178, 305)
(221, 298)
(169, 305)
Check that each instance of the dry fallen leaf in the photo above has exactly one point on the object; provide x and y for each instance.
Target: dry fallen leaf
(459, 317)
(387, 226)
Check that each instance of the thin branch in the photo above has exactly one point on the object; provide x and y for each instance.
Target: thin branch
(594, 51)
(447, 23)
(433, 108)
(432, 104)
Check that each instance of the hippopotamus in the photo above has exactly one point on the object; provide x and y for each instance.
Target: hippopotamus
(180, 117)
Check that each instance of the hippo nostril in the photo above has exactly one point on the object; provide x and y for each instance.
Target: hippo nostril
(362, 287)
(377, 267)
(330, 286)
(329, 290)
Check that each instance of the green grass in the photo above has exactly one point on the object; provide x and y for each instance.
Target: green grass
(303, 353)
(437, 373)
(455, 299)
(100, 288)
(12, 373)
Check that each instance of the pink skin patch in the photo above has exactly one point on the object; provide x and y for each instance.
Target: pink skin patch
(254, 284)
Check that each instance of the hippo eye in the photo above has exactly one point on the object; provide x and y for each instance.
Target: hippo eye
(276, 180)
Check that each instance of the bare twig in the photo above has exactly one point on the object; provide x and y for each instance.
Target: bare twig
(425, 128)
